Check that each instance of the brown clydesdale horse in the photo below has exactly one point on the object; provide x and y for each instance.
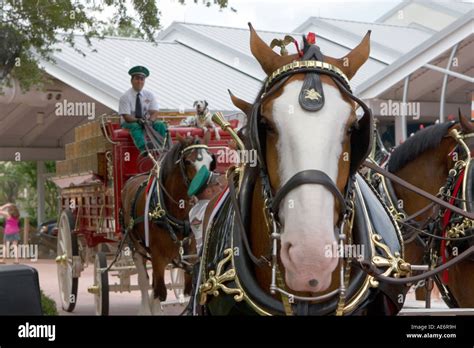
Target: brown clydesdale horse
(425, 160)
(177, 170)
(295, 137)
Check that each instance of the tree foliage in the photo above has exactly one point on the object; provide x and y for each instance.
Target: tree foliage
(18, 185)
(29, 29)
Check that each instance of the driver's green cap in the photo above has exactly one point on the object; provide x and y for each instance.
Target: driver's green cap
(139, 70)
(199, 181)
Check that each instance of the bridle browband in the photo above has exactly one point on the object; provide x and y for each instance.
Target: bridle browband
(276, 80)
(181, 163)
(303, 66)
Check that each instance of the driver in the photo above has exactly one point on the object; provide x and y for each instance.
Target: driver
(137, 105)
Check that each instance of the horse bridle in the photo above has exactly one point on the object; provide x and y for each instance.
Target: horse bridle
(182, 159)
(161, 214)
(467, 164)
(312, 66)
(362, 137)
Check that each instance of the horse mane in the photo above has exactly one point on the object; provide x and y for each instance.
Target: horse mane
(423, 140)
(169, 160)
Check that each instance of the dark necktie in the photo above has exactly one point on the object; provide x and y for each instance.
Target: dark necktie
(138, 107)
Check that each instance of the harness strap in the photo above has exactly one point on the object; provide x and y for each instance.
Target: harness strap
(284, 298)
(133, 211)
(446, 219)
(233, 196)
(418, 191)
(308, 177)
(419, 212)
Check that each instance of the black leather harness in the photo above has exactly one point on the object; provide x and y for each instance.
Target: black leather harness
(229, 228)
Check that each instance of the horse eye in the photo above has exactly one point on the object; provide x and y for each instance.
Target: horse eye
(265, 123)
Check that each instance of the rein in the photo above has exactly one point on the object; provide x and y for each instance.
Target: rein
(418, 191)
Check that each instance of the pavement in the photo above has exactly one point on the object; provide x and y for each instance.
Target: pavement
(128, 303)
(120, 303)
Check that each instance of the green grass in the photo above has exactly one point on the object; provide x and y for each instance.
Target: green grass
(48, 305)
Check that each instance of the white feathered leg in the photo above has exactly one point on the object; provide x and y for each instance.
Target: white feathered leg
(144, 284)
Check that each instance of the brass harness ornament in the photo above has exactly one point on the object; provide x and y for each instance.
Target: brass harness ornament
(312, 94)
(216, 281)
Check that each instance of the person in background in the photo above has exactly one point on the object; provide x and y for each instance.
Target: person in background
(12, 229)
(209, 187)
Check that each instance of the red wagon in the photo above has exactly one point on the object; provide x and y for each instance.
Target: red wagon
(88, 226)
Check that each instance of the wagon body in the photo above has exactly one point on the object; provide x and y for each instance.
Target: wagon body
(90, 180)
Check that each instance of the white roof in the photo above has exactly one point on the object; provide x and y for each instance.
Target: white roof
(231, 45)
(179, 74)
(388, 42)
(455, 8)
(433, 50)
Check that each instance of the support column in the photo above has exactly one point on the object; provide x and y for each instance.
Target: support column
(442, 100)
(40, 182)
(401, 122)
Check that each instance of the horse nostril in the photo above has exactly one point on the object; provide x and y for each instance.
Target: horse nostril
(313, 283)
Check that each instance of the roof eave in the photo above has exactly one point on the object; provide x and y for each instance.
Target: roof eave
(417, 57)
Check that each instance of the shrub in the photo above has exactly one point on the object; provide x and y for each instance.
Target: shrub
(48, 305)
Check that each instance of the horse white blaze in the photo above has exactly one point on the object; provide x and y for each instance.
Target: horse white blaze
(309, 140)
(204, 161)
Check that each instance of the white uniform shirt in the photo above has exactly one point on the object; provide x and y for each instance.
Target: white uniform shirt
(196, 217)
(128, 101)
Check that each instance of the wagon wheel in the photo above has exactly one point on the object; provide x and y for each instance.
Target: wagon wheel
(177, 283)
(67, 248)
(101, 285)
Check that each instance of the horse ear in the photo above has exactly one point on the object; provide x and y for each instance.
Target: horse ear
(466, 125)
(241, 104)
(269, 60)
(207, 138)
(351, 62)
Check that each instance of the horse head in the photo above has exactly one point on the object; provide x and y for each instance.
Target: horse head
(191, 154)
(305, 123)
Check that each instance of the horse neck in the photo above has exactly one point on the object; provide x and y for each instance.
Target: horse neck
(176, 188)
(428, 172)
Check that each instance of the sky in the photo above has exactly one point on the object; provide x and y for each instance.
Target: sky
(273, 15)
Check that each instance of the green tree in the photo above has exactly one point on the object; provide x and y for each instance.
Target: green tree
(130, 31)
(11, 182)
(15, 177)
(29, 29)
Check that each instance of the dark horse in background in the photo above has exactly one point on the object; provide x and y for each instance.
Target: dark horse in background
(426, 160)
(170, 231)
(269, 247)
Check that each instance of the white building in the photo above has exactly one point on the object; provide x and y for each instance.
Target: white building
(421, 52)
